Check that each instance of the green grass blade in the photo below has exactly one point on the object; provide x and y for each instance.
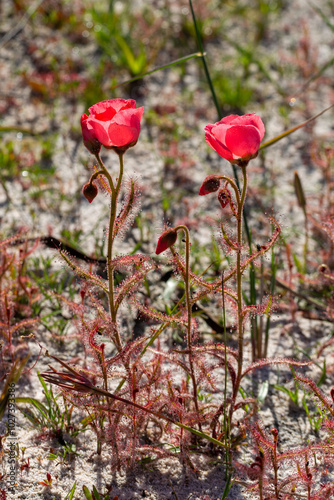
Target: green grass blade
(37, 404)
(317, 75)
(291, 130)
(96, 494)
(228, 486)
(87, 493)
(165, 66)
(202, 54)
(323, 16)
(71, 493)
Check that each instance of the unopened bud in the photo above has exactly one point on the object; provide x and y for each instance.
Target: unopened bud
(224, 196)
(299, 191)
(210, 184)
(82, 294)
(274, 433)
(90, 191)
(166, 240)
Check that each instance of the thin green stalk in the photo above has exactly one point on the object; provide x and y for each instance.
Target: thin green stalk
(226, 426)
(105, 172)
(206, 69)
(272, 288)
(252, 299)
(189, 316)
(103, 367)
(306, 242)
(239, 295)
(291, 130)
(165, 66)
(113, 207)
(96, 174)
(114, 193)
(260, 329)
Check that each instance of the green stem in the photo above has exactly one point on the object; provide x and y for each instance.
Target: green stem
(189, 316)
(306, 242)
(205, 66)
(239, 271)
(96, 174)
(260, 346)
(103, 367)
(105, 172)
(227, 426)
(112, 217)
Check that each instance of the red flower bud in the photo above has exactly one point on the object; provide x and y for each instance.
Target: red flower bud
(224, 196)
(90, 191)
(210, 184)
(166, 240)
(274, 433)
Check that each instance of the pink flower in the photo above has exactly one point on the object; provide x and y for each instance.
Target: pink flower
(236, 138)
(114, 124)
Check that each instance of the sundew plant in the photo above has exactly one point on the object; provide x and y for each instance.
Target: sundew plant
(131, 385)
(168, 336)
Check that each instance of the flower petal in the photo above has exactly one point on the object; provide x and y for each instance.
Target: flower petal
(218, 146)
(243, 141)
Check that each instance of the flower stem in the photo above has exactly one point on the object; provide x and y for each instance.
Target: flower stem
(189, 316)
(112, 217)
(239, 271)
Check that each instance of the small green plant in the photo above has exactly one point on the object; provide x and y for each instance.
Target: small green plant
(49, 415)
(115, 32)
(94, 494)
(68, 450)
(52, 285)
(70, 494)
(316, 420)
(293, 394)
